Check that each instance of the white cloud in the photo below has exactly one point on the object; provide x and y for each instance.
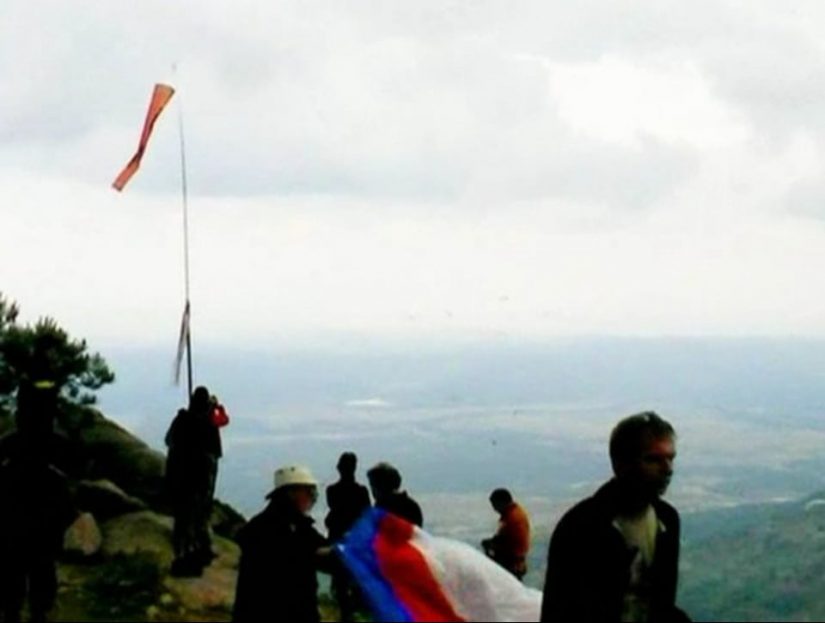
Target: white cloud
(369, 403)
(620, 101)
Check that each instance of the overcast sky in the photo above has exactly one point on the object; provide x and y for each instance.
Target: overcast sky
(418, 169)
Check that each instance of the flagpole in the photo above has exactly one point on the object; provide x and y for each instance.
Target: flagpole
(185, 197)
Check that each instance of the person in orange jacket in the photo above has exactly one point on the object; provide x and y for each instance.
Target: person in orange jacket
(511, 543)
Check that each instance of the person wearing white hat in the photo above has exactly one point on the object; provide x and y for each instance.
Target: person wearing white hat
(281, 551)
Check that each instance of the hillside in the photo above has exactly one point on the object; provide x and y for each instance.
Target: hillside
(119, 551)
(770, 568)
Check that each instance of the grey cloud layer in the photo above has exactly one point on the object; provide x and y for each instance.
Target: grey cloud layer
(429, 101)
(534, 167)
(421, 100)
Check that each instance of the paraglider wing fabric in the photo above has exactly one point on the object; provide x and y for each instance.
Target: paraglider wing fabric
(359, 556)
(407, 575)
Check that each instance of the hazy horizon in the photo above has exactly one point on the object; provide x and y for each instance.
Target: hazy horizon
(534, 416)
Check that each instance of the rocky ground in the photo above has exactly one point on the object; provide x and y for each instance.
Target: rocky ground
(119, 551)
(127, 578)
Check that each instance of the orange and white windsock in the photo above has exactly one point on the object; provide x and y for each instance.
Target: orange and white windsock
(160, 97)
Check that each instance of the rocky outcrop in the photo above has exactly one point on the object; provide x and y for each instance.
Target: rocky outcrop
(104, 499)
(129, 579)
(107, 451)
(118, 552)
(145, 533)
(115, 473)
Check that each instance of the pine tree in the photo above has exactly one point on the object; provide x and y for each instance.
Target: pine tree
(43, 351)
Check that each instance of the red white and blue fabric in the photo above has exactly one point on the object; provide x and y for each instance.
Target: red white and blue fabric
(406, 574)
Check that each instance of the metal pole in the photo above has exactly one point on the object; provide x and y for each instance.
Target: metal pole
(185, 194)
(189, 359)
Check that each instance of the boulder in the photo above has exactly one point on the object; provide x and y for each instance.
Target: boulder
(105, 500)
(148, 533)
(83, 539)
(142, 533)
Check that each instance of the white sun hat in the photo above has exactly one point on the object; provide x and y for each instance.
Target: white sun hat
(293, 475)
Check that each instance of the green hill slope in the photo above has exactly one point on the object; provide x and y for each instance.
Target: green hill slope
(772, 568)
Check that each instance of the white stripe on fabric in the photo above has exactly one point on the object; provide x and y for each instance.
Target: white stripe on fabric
(479, 589)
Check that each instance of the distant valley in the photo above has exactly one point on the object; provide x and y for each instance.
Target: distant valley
(462, 420)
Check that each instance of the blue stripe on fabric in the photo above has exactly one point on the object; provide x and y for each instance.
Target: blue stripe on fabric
(358, 554)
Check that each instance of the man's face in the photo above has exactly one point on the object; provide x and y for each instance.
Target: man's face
(304, 498)
(652, 472)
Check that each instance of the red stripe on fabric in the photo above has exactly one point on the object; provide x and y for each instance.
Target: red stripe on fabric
(407, 571)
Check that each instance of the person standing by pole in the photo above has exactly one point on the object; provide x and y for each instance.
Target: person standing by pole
(194, 446)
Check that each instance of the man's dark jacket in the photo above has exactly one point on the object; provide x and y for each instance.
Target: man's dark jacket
(588, 565)
(347, 500)
(403, 506)
(191, 463)
(277, 579)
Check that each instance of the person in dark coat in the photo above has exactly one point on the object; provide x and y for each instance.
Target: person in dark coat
(347, 500)
(281, 552)
(37, 508)
(615, 556)
(385, 483)
(194, 444)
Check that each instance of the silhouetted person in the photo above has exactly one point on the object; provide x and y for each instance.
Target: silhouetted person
(385, 483)
(280, 554)
(615, 556)
(194, 444)
(511, 543)
(36, 508)
(347, 500)
(35, 418)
